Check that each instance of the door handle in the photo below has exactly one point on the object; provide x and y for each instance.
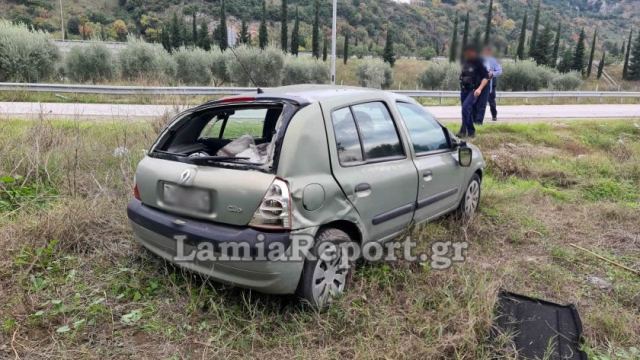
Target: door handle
(363, 190)
(427, 175)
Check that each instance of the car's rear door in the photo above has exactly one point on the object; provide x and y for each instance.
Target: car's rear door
(372, 165)
(439, 173)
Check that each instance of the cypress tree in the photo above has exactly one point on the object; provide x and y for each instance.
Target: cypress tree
(263, 35)
(465, 34)
(345, 55)
(324, 48)
(564, 66)
(487, 32)
(284, 29)
(477, 39)
(223, 37)
(184, 31)
(556, 47)
(522, 40)
(165, 38)
(542, 53)
(622, 49)
(389, 54)
(593, 52)
(534, 33)
(634, 64)
(295, 35)
(625, 68)
(315, 36)
(453, 47)
(578, 54)
(194, 29)
(203, 36)
(601, 65)
(175, 32)
(245, 37)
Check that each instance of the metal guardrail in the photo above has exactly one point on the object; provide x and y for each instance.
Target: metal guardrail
(205, 90)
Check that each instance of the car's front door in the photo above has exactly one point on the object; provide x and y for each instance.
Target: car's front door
(373, 167)
(439, 173)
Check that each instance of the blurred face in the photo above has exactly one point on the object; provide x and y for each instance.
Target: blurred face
(487, 51)
(470, 54)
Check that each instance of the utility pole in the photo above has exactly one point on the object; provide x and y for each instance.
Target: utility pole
(61, 21)
(333, 42)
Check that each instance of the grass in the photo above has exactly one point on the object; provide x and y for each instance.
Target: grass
(73, 281)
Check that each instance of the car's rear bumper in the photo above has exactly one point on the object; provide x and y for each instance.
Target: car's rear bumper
(158, 231)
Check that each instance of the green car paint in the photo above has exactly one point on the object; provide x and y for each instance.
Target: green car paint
(374, 200)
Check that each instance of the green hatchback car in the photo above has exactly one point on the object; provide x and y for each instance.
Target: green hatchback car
(327, 164)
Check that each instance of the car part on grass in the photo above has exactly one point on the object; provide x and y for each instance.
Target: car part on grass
(540, 329)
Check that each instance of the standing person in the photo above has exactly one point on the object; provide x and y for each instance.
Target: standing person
(495, 70)
(474, 77)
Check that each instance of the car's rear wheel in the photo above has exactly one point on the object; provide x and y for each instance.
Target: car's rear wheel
(329, 274)
(471, 198)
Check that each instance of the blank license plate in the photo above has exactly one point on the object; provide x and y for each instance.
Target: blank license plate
(186, 197)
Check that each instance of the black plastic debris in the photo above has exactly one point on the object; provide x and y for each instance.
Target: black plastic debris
(540, 329)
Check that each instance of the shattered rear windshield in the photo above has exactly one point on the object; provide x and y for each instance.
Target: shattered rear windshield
(233, 134)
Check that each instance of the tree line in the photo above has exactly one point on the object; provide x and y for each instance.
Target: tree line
(545, 48)
(176, 34)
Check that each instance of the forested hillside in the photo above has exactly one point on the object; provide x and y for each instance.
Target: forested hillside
(422, 30)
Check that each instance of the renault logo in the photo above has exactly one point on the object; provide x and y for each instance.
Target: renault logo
(185, 176)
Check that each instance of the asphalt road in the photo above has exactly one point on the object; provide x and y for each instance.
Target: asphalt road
(519, 113)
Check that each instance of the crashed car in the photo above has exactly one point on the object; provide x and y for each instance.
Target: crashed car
(332, 164)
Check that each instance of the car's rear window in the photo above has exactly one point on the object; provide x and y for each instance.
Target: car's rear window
(241, 122)
(241, 133)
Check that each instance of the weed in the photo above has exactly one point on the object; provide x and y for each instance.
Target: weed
(611, 190)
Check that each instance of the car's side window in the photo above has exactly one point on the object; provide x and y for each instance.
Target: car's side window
(347, 140)
(425, 132)
(377, 131)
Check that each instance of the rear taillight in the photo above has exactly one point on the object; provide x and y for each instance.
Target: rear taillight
(274, 211)
(136, 192)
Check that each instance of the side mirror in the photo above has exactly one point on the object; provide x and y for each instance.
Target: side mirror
(464, 156)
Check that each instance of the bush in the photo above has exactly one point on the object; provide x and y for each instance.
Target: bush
(193, 66)
(262, 66)
(375, 74)
(567, 82)
(441, 76)
(305, 71)
(360, 51)
(525, 76)
(25, 56)
(89, 63)
(427, 53)
(141, 60)
(219, 66)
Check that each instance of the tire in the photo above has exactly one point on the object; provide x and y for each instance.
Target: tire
(323, 280)
(470, 199)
